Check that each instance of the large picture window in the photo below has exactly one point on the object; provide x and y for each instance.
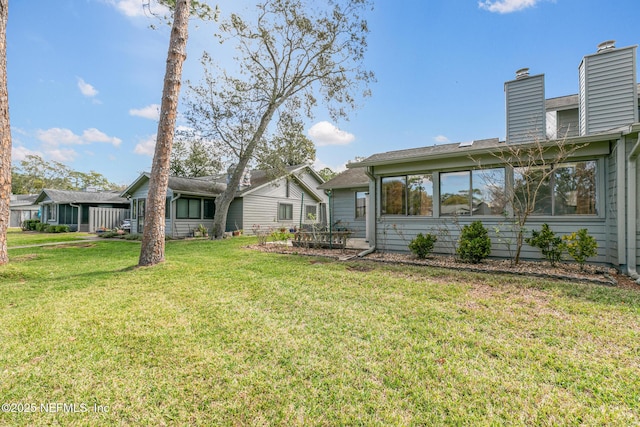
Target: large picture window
(563, 189)
(407, 195)
(477, 192)
(188, 208)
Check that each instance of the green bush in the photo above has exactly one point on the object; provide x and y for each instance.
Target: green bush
(422, 245)
(42, 226)
(549, 244)
(474, 243)
(30, 224)
(580, 245)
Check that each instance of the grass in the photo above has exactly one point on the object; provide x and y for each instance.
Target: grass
(220, 335)
(17, 237)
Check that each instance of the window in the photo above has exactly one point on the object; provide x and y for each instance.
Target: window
(141, 203)
(188, 208)
(209, 208)
(361, 205)
(310, 212)
(569, 190)
(285, 212)
(407, 195)
(134, 209)
(477, 192)
(167, 208)
(52, 212)
(68, 214)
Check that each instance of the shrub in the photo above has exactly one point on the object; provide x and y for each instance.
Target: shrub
(41, 226)
(422, 245)
(30, 224)
(110, 235)
(280, 235)
(549, 244)
(474, 243)
(580, 245)
(133, 236)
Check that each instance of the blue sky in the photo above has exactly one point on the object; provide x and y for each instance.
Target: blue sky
(85, 76)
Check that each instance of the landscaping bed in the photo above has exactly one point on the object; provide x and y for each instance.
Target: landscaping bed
(562, 271)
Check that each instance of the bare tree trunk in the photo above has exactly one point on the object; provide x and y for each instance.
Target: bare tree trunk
(5, 137)
(152, 251)
(224, 200)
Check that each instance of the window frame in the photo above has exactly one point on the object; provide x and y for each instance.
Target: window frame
(193, 212)
(405, 195)
(289, 210)
(360, 212)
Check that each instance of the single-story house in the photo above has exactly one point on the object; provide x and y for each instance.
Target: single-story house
(440, 188)
(22, 208)
(82, 210)
(348, 194)
(262, 199)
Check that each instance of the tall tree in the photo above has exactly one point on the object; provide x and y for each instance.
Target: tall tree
(5, 137)
(193, 157)
(295, 51)
(152, 250)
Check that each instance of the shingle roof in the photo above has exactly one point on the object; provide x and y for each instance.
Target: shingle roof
(196, 186)
(416, 154)
(66, 196)
(350, 178)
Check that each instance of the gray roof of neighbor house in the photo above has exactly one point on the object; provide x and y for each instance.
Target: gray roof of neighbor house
(22, 200)
(350, 178)
(434, 151)
(67, 196)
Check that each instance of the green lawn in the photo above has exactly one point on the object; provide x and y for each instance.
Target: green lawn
(221, 335)
(17, 237)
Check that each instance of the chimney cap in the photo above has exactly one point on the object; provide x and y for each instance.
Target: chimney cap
(522, 73)
(606, 45)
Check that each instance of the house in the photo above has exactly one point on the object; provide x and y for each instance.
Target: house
(262, 199)
(348, 195)
(82, 210)
(22, 208)
(439, 189)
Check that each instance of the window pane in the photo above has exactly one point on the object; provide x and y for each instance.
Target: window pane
(361, 204)
(310, 212)
(532, 191)
(575, 189)
(393, 196)
(454, 193)
(167, 208)
(285, 212)
(141, 207)
(420, 192)
(488, 195)
(134, 209)
(194, 208)
(182, 208)
(209, 208)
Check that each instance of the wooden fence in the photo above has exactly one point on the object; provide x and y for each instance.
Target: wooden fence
(108, 218)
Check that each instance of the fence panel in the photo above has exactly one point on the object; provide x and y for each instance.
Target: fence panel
(106, 218)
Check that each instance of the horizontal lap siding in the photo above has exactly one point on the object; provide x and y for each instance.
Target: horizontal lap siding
(343, 204)
(394, 234)
(612, 208)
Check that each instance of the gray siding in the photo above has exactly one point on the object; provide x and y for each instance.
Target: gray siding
(526, 113)
(343, 205)
(568, 122)
(609, 97)
(234, 216)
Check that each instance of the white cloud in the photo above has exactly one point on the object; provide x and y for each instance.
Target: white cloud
(55, 137)
(62, 156)
(151, 112)
(19, 153)
(506, 6)
(324, 133)
(135, 8)
(86, 88)
(441, 139)
(146, 147)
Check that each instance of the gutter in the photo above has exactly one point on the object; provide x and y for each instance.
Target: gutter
(632, 203)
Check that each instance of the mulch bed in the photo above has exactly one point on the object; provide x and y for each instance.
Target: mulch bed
(563, 271)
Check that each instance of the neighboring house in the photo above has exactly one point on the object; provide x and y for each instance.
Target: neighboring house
(263, 200)
(348, 194)
(23, 207)
(82, 210)
(439, 189)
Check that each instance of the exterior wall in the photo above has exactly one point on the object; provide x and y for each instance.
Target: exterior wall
(141, 193)
(568, 123)
(235, 220)
(608, 90)
(526, 111)
(261, 206)
(18, 215)
(394, 232)
(343, 206)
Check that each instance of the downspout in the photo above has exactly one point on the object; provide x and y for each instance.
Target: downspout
(330, 220)
(632, 168)
(372, 247)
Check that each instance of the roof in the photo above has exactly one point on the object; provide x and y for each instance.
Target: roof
(67, 196)
(196, 186)
(22, 200)
(423, 153)
(350, 178)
